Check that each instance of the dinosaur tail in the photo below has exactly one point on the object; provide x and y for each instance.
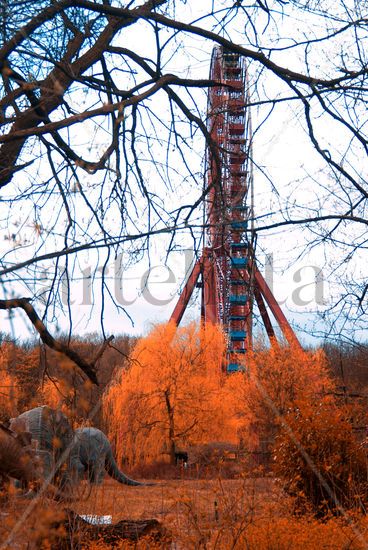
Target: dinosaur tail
(113, 471)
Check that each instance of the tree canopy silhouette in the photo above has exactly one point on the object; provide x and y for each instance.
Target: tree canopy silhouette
(103, 132)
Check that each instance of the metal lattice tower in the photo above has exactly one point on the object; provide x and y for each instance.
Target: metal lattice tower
(230, 281)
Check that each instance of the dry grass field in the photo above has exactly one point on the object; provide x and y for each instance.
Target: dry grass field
(203, 514)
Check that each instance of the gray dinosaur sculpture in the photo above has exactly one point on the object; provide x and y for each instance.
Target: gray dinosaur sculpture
(66, 455)
(53, 439)
(95, 454)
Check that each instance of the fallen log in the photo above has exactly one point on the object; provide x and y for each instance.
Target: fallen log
(78, 529)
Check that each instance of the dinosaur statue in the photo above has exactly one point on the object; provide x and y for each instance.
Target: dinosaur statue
(52, 437)
(95, 454)
(66, 455)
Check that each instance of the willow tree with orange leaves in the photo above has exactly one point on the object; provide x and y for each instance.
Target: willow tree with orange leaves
(172, 396)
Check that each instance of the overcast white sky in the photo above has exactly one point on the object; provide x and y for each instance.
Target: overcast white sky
(281, 149)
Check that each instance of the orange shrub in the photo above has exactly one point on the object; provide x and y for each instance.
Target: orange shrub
(10, 390)
(319, 458)
(9, 395)
(287, 533)
(273, 381)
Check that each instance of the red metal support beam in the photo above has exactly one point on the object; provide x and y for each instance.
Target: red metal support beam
(264, 314)
(186, 293)
(210, 309)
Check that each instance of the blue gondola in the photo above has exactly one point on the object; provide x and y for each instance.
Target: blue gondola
(239, 224)
(237, 335)
(238, 299)
(234, 367)
(239, 262)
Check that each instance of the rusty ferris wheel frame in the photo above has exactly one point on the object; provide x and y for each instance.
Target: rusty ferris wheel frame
(227, 272)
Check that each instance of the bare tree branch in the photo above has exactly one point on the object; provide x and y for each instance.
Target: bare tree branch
(48, 339)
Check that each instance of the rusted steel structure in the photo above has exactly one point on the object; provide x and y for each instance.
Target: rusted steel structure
(226, 272)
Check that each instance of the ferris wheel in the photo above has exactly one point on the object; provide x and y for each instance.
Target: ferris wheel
(227, 272)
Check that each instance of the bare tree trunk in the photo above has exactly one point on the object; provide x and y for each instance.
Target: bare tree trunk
(170, 414)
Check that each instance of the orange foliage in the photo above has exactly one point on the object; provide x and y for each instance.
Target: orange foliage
(287, 395)
(33, 375)
(19, 378)
(319, 457)
(64, 386)
(176, 394)
(8, 396)
(172, 396)
(274, 380)
(276, 532)
(10, 391)
(67, 391)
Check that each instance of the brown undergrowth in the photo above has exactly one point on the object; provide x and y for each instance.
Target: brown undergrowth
(219, 514)
(283, 411)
